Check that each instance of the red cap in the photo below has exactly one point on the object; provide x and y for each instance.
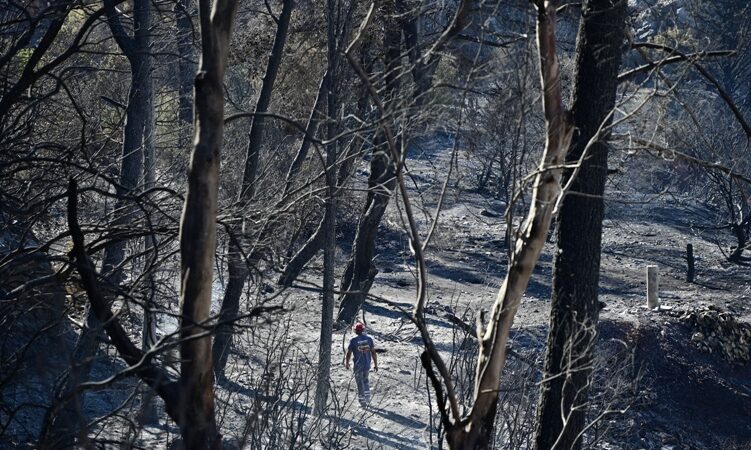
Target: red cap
(359, 327)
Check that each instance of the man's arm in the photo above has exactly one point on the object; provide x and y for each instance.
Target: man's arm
(347, 358)
(375, 358)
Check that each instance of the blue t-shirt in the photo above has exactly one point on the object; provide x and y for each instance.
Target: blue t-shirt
(360, 346)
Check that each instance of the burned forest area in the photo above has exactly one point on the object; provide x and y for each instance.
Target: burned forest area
(387, 224)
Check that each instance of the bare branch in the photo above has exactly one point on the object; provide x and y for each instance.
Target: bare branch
(708, 76)
(157, 378)
(629, 74)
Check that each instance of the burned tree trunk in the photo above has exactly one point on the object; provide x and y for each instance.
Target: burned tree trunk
(360, 271)
(574, 309)
(476, 434)
(149, 414)
(198, 231)
(423, 69)
(740, 231)
(136, 49)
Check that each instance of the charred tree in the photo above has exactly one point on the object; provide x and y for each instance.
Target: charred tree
(136, 49)
(198, 230)
(148, 412)
(575, 309)
(360, 270)
(474, 430)
(139, 111)
(329, 218)
(238, 264)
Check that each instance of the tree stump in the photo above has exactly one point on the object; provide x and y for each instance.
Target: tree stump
(653, 282)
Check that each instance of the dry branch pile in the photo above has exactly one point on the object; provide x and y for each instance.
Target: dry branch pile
(717, 331)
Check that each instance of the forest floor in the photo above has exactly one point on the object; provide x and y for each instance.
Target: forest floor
(680, 396)
(673, 394)
(654, 386)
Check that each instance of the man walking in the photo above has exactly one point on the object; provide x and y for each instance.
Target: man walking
(364, 350)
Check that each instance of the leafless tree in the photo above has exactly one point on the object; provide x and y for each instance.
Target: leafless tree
(333, 11)
(474, 429)
(189, 400)
(239, 261)
(575, 305)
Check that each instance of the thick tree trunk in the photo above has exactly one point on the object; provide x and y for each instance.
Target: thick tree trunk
(739, 231)
(136, 49)
(574, 308)
(198, 231)
(131, 166)
(422, 69)
(237, 263)
(149, 181)
(360, 272)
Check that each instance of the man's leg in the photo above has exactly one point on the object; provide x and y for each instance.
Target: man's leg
(361, 380)
(366, 386)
